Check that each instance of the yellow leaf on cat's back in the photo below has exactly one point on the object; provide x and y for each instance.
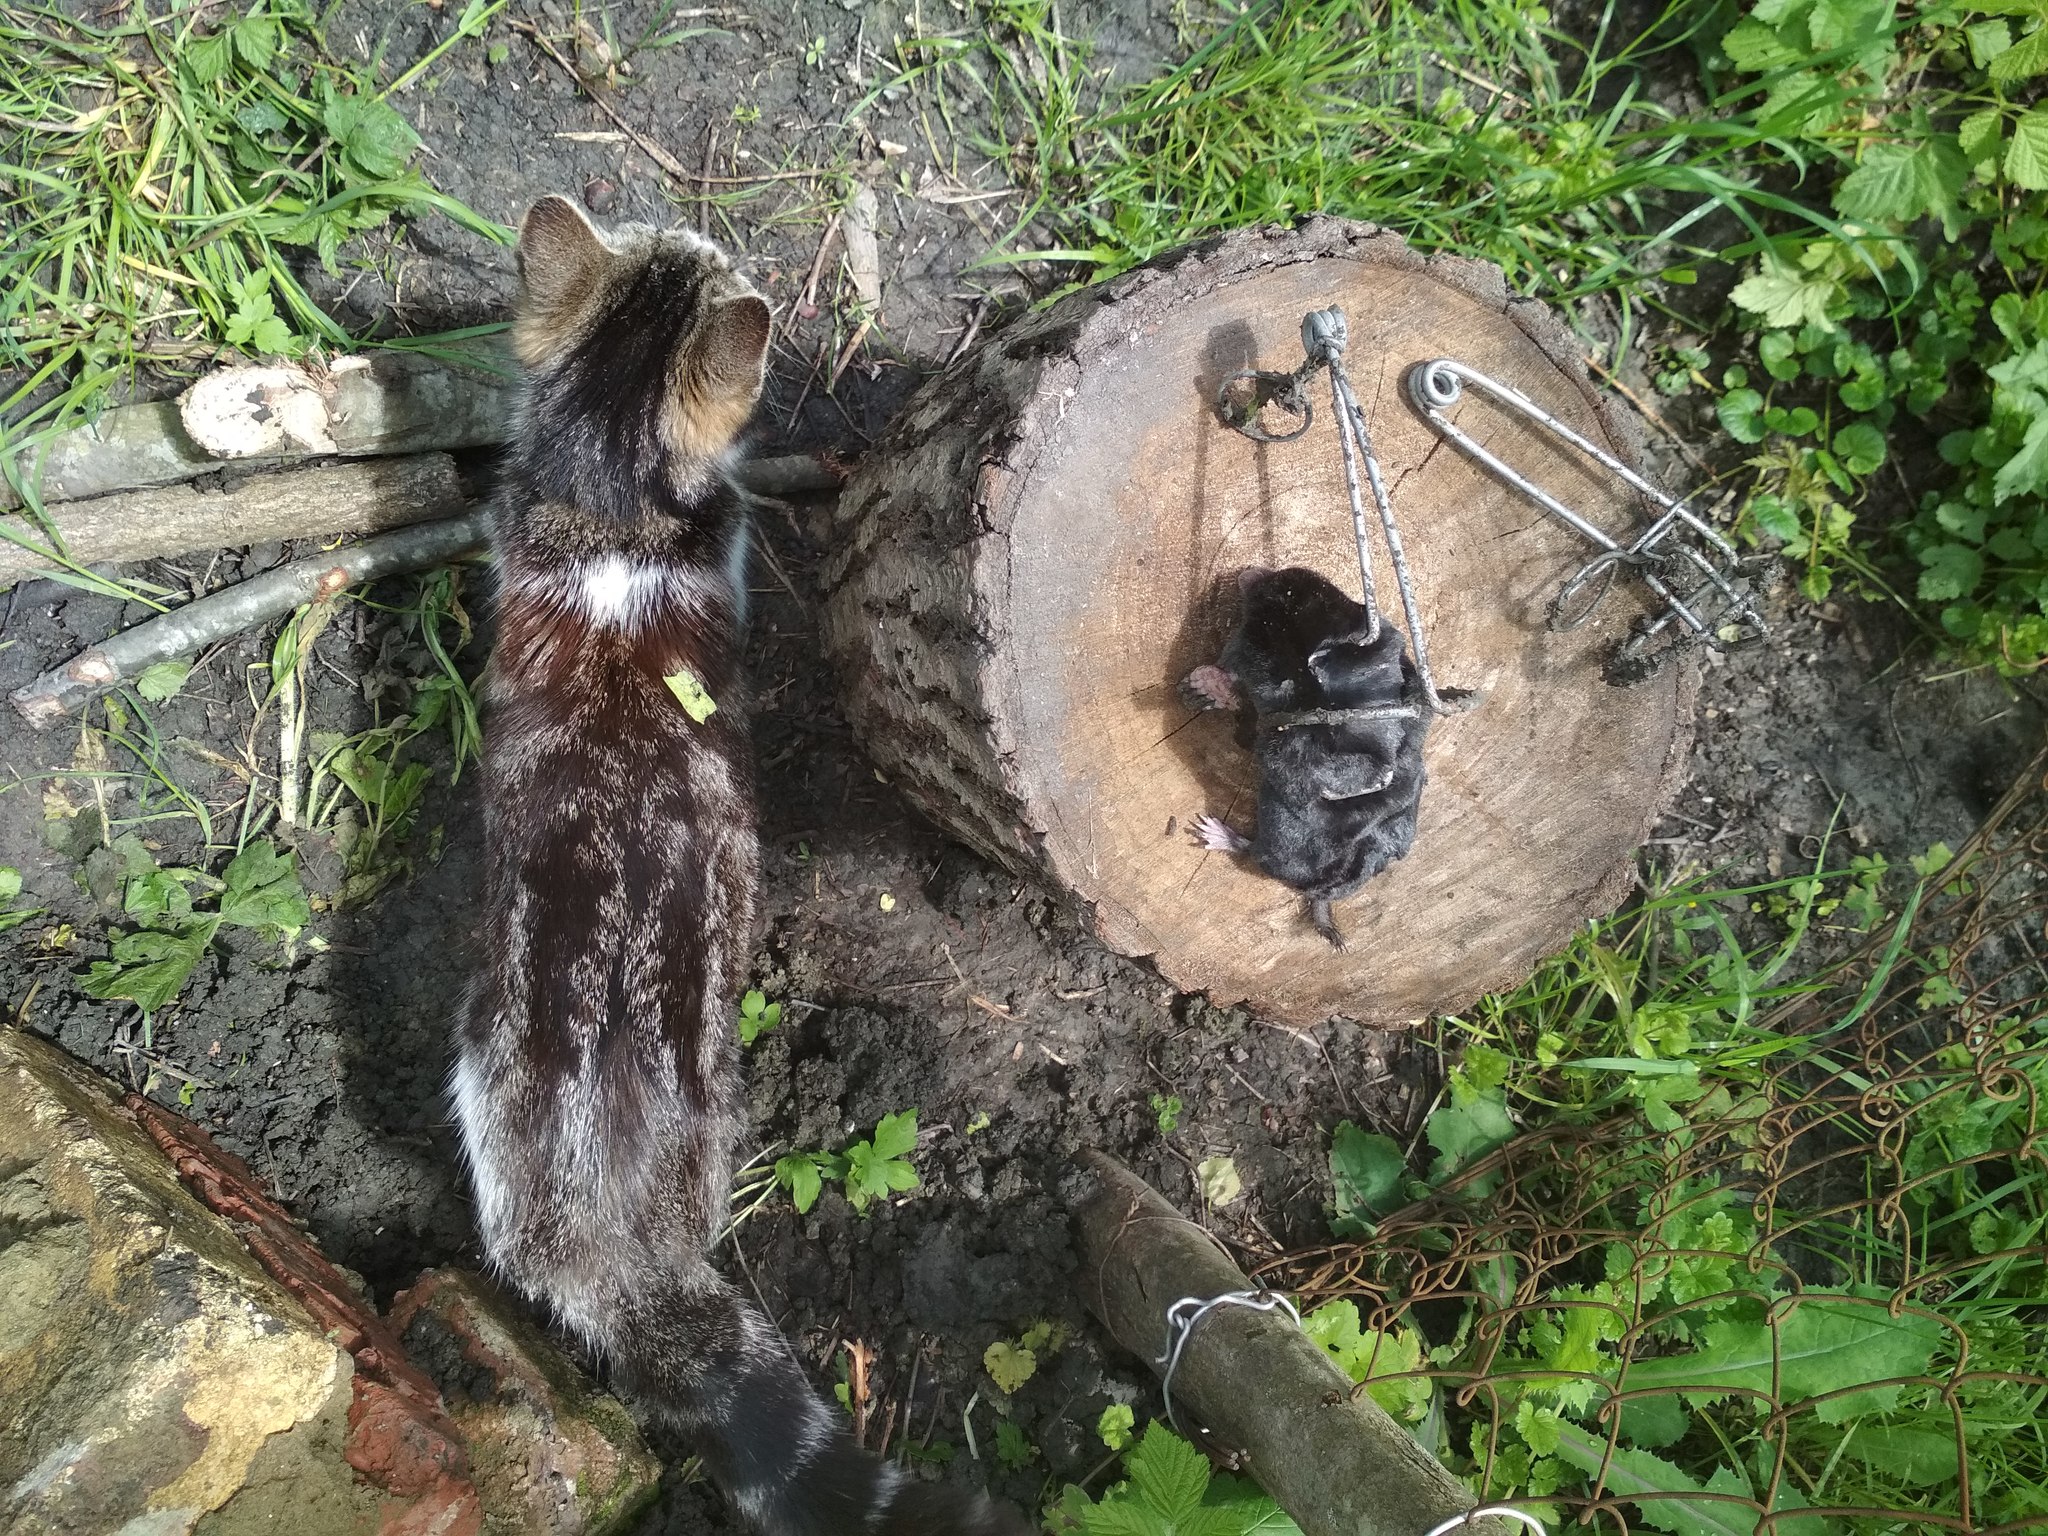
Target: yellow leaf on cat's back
(697, 704)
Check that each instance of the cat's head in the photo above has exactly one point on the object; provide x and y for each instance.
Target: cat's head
(639, 323)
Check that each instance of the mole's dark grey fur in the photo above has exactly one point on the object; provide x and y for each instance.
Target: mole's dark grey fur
(1338, 727)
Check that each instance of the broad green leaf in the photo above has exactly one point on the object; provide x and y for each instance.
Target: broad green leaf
(1367, 1171)
(1741, 415)
(1979, 135)
(1218, 1179)
(1826, 1345)
(1464, 1133)
(1009, 1365)
(1633, 1474)
(260, 889)
(1785, 297)
(10, 883)
(896, 1135)
(2026, 157)
(798, 1173)
(1168, 1473)
(149, 969)
(1949, 570)
(159, 682)
(2024, 59)
(1860, 447)
(1654, 1422)
(1888, 185)
(2027, 470)
(1988, 39)
(1916, 1457)
(1757, 49)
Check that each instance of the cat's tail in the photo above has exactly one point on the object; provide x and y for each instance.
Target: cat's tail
(710, 1366)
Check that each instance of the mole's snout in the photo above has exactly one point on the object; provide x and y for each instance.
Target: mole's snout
(1250, 574)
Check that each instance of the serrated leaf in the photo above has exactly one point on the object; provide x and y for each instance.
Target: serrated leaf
(1885, 186)
(1918, 1458)
(1825, 1345)
(1988, 39)
(1785, 297)
(1367, 1172)
(208, 57)
(2026, 156)
(260, 889)
(1168, 1473)
(1860, 447)
(1115, 1425)
(149, 969)
(1632, 1474)
(1758, 49)
(1009, 1365)
(798, 1173)
(1463, 1133)
(896, 1135)
(160, 681)
(2027, 470)
(2023, 60)
(256, 40)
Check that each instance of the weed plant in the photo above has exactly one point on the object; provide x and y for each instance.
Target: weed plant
(161, 175)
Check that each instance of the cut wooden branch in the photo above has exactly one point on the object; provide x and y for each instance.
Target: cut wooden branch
(360, 407)
(365, 497)
(312, 502)
(1327, 1453)
(262, 416)
(185, 631)
(1041, 548)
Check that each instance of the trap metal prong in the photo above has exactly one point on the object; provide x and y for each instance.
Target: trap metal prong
(1700, 578)
(1324, 335)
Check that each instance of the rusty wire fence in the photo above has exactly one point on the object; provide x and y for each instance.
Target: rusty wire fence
(1815, 1301)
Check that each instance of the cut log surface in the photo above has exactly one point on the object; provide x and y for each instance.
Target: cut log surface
(1044, 544)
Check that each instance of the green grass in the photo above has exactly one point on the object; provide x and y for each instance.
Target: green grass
(160, 173)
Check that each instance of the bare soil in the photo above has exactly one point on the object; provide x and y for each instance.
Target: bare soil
(912, 973)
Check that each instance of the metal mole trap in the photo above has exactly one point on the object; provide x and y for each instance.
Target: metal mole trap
(1324, 335)
(1708, 590)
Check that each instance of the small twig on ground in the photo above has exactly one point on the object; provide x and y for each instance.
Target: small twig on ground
(182, 632)
(1650, 414)
(852, 345)
(858, 1359)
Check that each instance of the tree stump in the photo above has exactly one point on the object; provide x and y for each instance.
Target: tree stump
(1043, 545)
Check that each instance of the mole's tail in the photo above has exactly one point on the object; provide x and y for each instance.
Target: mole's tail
(718, 1372)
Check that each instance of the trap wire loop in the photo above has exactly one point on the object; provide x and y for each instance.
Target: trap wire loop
(1486, 1512)
(1677, 551)
(1324, 335)
(1181, 1318)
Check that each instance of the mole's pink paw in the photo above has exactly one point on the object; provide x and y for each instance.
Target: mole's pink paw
(1208, 688)
(1219, 836)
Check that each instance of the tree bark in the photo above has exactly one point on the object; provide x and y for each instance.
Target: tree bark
(361, 497)
(365, 496)
(1327, 1454)
(1041, 546)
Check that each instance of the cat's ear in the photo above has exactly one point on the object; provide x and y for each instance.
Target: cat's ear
(718, 377)
(560, 255)
(729, 352)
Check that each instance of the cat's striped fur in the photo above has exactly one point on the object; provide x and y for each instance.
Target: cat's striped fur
(596, 1081)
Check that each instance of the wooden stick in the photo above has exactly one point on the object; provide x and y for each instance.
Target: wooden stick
(257, 417)
(184, 631)
(1328, 1454)
(365, 497)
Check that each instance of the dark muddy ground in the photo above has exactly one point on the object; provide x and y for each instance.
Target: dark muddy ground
(912, 973)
